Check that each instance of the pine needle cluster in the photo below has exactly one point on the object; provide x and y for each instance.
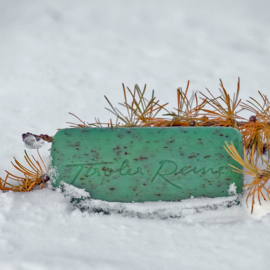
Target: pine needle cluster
(32, 176)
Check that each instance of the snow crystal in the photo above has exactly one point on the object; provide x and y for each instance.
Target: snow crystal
(232, 189)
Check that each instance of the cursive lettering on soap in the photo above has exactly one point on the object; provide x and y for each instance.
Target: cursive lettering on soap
(101, 168)
(167, 170)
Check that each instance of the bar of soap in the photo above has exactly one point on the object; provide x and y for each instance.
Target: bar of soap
(147, 164)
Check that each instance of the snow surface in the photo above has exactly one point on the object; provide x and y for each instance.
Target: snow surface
(62, 56)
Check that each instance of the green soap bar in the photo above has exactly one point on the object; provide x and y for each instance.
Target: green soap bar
(147, 164)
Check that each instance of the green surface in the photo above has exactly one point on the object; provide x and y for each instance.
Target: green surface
(147, 164)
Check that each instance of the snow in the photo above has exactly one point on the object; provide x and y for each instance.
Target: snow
(232, 189)
(63, 56)
(32, 142)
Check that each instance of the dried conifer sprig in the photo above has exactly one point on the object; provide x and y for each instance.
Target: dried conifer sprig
(257, 131)
(186, 114)
(35, 175)
(224, 111)
(258, 187)
(140, 111)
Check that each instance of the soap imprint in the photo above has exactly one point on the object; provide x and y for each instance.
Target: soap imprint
(166, 169)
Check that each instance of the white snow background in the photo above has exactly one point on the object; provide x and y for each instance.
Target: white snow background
(62, 56)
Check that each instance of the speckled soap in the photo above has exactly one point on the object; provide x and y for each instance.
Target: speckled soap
(147, 164)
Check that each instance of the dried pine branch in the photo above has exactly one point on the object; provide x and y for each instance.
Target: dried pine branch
(257, 131)
(253, 135)
(224, 111)
(35, 175)
(141, 111)
(260, 176)
(186, 114)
